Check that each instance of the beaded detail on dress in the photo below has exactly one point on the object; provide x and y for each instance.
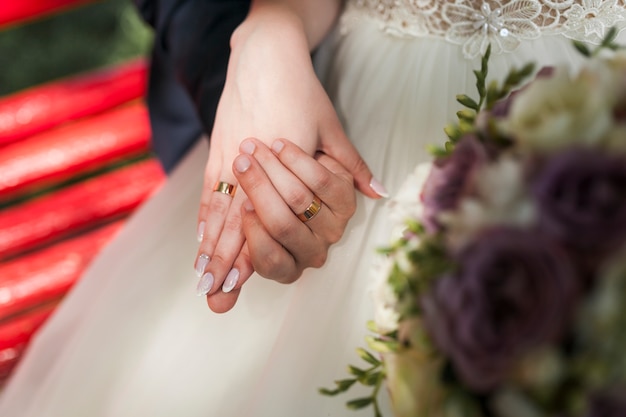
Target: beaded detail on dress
(474, 24)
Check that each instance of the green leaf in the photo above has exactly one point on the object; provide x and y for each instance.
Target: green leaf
(353, 370)
(466, 115)
(480, 82)
(516, 77)
(610, 37)
(344, 384)
(367, 357)
(330, 393)
(467, 101)
(437, 152)
(370, 379)
(371, 326)
(466, 126)
(527, 70)
(484, 64)
(582, 48)
(480, 75)
(493, 94)
(453, 132)
(382, 346)
(359, 403)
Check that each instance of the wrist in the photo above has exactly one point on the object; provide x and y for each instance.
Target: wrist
(273, 23)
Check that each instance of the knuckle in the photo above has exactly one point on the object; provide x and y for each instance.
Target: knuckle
(334, 235)
(323, 181)
(350, 208)
(283, 231)
(232, 224)
(347, 209)
(219, 262)
(270, 265)
(299, 200)
(219, 206)
(318, 259)
(289, 276)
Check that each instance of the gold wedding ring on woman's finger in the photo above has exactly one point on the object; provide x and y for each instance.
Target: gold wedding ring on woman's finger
(312, 210)
(225, 188)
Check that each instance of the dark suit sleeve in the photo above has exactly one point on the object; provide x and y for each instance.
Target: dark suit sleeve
(189, 62)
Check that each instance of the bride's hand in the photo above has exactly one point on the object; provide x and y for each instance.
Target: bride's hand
(271, 91)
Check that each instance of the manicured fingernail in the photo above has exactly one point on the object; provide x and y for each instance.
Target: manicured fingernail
(247, 146)
(205, 284)
(200, 233)
(247, 205)
(231, 280)
(242, 163)
(278, 146)
(201, 263)
(378, 188)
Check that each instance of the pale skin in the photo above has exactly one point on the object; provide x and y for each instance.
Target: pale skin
(272, 92)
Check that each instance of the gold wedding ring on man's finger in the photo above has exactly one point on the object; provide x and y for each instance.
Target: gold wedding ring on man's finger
(225, 188)
(312, 210)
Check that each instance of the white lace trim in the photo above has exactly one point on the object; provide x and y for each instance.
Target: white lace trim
(474, 24)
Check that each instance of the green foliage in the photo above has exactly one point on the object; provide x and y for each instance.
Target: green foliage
(607, 43)
(70, 42)
(488, 96)
(372, 377)
(428, 260)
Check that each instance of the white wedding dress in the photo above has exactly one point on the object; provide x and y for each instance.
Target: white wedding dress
(132, 339)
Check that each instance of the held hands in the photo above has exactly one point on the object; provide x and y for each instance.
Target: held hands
(281, 183)
(271, 92)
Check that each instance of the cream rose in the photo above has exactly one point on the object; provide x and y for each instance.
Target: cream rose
(562, 110)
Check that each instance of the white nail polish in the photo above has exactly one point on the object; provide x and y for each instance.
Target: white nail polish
(231, 280)
(201, 263)
(205, 284)
(200, 233)
(378, 188)
(247, 146)
(242, 164)
(278, 145)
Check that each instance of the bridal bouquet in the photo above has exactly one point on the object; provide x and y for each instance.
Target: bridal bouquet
(505, 295)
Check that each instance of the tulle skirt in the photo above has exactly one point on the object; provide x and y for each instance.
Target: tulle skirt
(132, 339)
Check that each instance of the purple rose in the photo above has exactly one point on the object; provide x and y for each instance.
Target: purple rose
(581, 196)
(450, 178)
(514, 290)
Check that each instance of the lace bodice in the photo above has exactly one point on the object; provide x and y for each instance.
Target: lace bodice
(474, 24)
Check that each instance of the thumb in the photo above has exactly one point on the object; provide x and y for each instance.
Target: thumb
(339, 147)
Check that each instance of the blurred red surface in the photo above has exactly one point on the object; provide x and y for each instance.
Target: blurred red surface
(17, 11)
(61, 153)
(43, 107)
(25, 226)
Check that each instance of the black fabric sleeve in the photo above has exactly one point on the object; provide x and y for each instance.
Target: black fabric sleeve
(189, 62)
